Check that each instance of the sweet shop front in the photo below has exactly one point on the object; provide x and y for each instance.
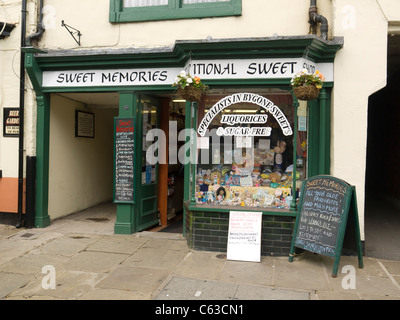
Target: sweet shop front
(249, 142)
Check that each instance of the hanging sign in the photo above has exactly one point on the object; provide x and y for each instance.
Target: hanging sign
(261, 101)
(324, 207)
(11, 122)
(244, 236)
(124, 139)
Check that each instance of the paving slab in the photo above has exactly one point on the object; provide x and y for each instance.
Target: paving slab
(126, 244)
(168, 243)
(155, 258)
(91, 261)
(248, 272)
(134, 279)
(11, 282)
(32, 263)
(69, 285)
(194, 289)
(305, 274)
(113, 294)
(69, 245)
(252, 292)
(204, 265)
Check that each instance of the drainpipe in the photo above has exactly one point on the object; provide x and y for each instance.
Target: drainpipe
(40, 27)
(316, 18)
(31, 161)
(21, 117)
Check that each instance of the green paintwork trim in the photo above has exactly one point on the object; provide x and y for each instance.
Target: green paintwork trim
(311, 47)
(42, 218)
(186, 190)
(293, 204)
(325, 147)
(34, 72)
(174, 10)
(283, 213)
(319, 141)
(125, 222)
(313, 139)
(143, 192)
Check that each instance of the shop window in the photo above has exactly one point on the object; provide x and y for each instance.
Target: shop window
(245, 151)
(147, 10)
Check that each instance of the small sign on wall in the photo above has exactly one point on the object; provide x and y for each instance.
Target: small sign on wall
(11, 122)
(84, 124)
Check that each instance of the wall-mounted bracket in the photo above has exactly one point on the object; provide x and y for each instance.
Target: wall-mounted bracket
(72, 31)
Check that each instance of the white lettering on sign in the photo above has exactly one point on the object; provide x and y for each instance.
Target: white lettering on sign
(261, 101)
(274, 68)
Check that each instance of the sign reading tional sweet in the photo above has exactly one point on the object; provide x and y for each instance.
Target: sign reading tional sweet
(274, 68)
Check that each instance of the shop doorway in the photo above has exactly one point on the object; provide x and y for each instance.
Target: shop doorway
(169, 113)
(81, 156)
(81, 160)
(382, 201)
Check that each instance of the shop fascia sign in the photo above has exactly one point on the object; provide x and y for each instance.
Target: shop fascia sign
(274, 68)
(232, 119)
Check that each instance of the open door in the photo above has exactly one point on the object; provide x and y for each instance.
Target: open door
(147, 193)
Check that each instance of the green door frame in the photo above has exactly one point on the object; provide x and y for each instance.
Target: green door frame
(125, 221)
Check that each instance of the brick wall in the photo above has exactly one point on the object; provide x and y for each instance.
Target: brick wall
(208, 231)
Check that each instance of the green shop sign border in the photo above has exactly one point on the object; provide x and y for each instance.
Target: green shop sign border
(275, 58)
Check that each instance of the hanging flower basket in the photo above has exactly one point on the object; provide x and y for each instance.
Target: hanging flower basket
(190, 89)
(190, 93)
(306, 92)
(306, 85)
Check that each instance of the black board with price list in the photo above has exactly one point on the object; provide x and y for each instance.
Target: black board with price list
(124, 143)
(325, 205)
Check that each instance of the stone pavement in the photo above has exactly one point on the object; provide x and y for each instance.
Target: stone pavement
(91, 263)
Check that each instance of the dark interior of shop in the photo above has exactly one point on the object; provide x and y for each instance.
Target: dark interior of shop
(382, 201)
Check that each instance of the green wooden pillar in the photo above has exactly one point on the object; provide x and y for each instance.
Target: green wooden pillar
(188, 125)
(42, 218)
(319, 140)
(325, 132)
(125, 221)
(294, 173)
(193, 152)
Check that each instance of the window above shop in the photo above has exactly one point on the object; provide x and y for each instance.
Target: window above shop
(149, 10)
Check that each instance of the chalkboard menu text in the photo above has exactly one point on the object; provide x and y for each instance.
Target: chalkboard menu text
(124, 160)
(321, 222)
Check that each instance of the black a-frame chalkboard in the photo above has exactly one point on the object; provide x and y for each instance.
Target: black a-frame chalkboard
(325, 204)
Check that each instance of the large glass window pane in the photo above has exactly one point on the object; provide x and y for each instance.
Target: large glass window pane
(245, 158)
